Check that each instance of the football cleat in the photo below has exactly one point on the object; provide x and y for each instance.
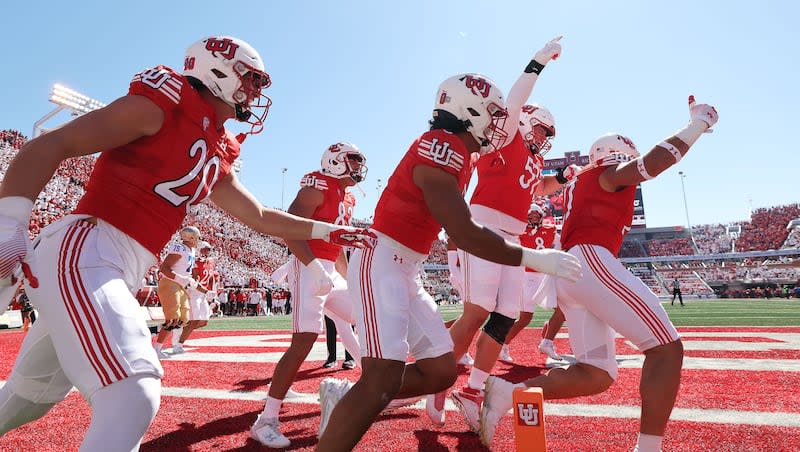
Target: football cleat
(466, 360)
(548, 348)
(469, 402)
(177, 349)
(498, 400)
(161, 355)
(434, 406)
(331, 391)
(505, 355)
(267, 432)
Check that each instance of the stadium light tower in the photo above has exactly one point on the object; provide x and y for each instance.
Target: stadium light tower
(685, 204)
(66, 99)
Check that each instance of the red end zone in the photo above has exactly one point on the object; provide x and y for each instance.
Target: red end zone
(729, 399)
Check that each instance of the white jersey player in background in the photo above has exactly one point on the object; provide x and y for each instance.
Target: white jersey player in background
(173, 288)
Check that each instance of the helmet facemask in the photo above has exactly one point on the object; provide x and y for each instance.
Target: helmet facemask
(356, 166)
(250, 102)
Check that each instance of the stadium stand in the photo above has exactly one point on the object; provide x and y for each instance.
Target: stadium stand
(766, 229)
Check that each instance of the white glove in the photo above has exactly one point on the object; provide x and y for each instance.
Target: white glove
(550, 51)
(552, 262)
(15, 248)
(703, 112)
(343, 235)
(323, 279)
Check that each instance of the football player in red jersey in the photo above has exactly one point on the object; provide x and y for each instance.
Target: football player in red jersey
(163, 147)
(507, 182)
(395, 315)
(315, 278)
(539, 289)
(608, 297)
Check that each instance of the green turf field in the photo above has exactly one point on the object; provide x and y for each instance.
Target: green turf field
(729, 312)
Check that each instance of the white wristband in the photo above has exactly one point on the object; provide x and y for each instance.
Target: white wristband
(17, 207)
(642, 170)
(320, 230)
(692, 131)
(672, 150)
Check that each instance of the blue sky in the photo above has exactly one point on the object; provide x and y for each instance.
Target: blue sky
(367, 72)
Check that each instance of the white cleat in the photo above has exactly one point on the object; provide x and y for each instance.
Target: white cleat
(469, 402)
(177, 349)
(267, 432)
(434, 406)
(331, 391)
(505, 355)
(548, 348)
(496, 403)
(466, 360)
(161, 355)
(396, 404)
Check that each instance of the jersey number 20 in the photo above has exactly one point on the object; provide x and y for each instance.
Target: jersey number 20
(166, 189)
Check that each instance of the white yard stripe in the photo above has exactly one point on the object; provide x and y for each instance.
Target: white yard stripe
(715, 416)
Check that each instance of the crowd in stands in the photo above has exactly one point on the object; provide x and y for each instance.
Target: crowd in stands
(438, 254)
(711, 239)
(670, 247)
(767, 228)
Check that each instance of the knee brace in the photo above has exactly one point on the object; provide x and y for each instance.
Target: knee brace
(498, 326)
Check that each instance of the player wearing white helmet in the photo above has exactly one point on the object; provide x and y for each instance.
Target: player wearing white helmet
(163, 148)
(315, 278)
(507, 183)
(396, 316)
(608, 298)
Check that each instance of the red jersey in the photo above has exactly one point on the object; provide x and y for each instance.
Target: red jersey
(337, 208)
(539, 238)
(507, 179)
(144, 188)
(401, 212)
(204, 272)
(594, 216)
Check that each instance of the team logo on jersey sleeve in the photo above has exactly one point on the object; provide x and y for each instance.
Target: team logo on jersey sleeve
(310, 180)
(441, 153)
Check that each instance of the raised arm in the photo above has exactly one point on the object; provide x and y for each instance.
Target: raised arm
(523, 87)
(663, 155)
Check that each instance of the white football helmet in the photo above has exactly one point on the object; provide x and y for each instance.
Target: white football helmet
(344, 160)
(536, 138)
(234, 72)
(477, 102)
(614, 144)
(535, 215)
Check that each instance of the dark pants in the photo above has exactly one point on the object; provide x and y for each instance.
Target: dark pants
(330, 333)
(677, 293)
